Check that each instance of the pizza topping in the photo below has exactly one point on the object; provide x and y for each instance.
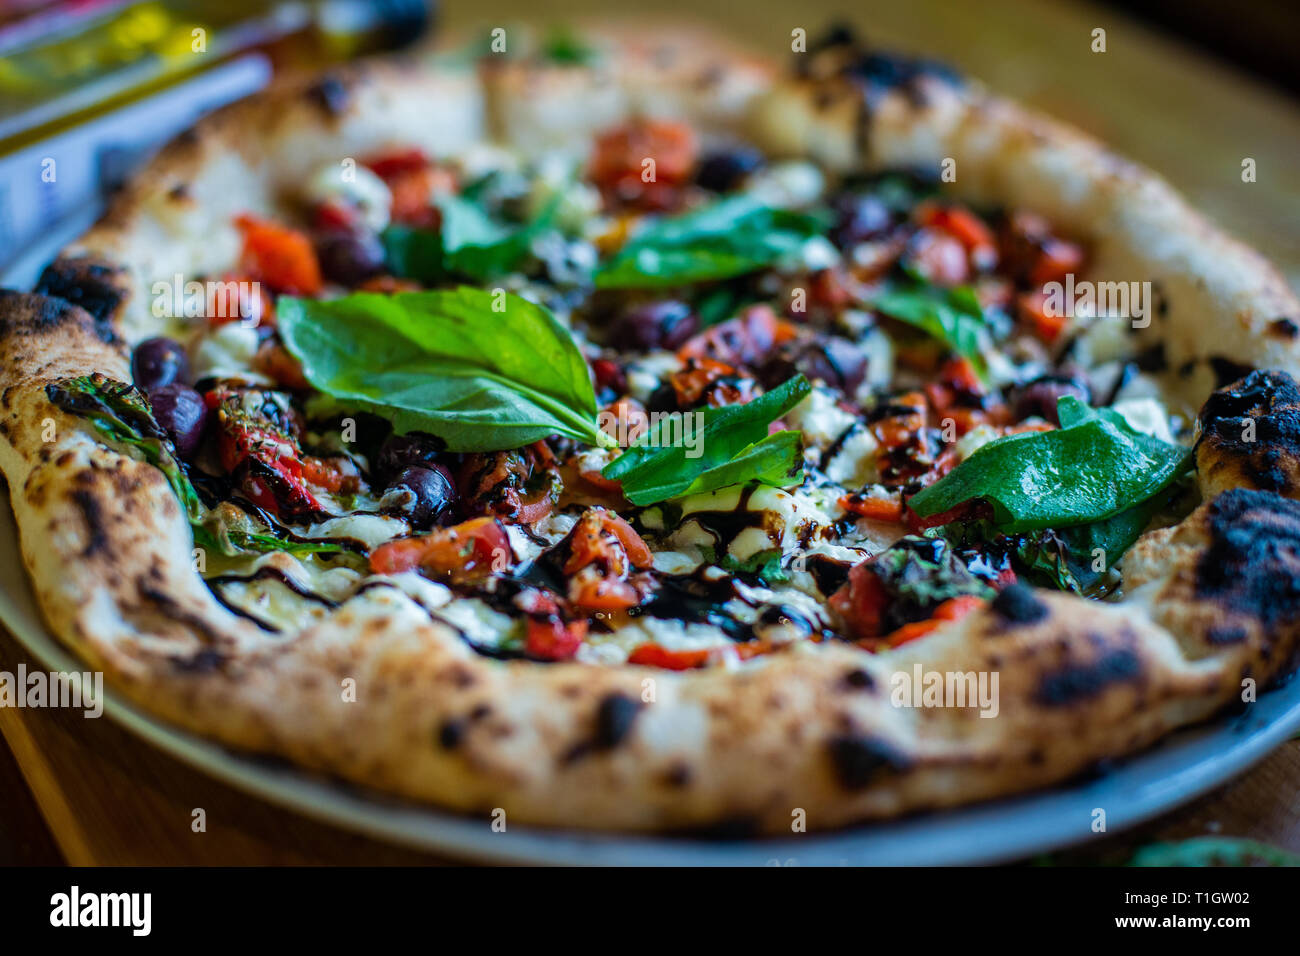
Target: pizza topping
(677, 419)
(466, 554)
(908, 584)
(283, 258)
(157, 362)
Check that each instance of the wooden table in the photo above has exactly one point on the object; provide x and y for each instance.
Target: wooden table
(86, 792)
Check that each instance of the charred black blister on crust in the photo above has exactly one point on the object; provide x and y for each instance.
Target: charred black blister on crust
(1017, 604)
(858, 759)
(615, 716)
(1271, 400)
(1078, 682)
(84, 282)
(331, 94)
(1252, 565)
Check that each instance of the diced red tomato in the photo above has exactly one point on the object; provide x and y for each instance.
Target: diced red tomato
(953, 609)
(552, 639)
(967, 228)
(1033, 312)
(465, 554)
(877, 509)
(655, 655)
(603, 551)
(618, 163)
(414, 181)
(281, 257)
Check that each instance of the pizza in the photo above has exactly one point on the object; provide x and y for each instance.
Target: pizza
(626, 431)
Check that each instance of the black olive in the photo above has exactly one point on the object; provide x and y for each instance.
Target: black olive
(157, 362)
(836, 361)
(724, 170)
(182, 413)
(349, 257)
(858, 218)
(403, 451)
(425, 496)
(656, 325)
(1039, 397)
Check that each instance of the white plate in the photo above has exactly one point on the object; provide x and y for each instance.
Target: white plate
(1184, 766)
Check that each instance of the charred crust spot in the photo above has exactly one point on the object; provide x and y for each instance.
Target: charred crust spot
(1016, 604)
(1271, 400)
(1284, 328)
(331, 94)
(460, 677)
(1252, 565)
(615, 715)
(858, 679)
(1227, 371)
(1077, 682)
(733, 828)
(858, 760)
(677, 776)
(451, 734)
(204, 661)
(94, 286)
(93, 514)
(1222, 635)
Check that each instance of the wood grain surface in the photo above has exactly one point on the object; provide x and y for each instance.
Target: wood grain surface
(86, 792)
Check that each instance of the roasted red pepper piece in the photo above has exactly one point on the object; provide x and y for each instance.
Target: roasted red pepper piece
(466, 554)
(617, 166)
(603, 552)
(281, 257)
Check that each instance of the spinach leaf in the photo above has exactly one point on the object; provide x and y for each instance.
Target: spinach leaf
(1094, 468)
(731, 237)
(952, 316)
(653, 470)
(121, 414)
(484, 371)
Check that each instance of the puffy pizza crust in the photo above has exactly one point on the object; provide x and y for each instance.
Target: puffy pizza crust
(380, 694)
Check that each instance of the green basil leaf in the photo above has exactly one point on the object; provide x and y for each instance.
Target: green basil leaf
(449, 363)
(470, 243)
(1093, 469)
(653, 470)
(951, 316)
(565, 47)
(729, 238)
(777, 460)
(121, 414)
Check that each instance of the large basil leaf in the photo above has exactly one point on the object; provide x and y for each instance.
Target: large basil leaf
(484, 371)
(1094, 468)
(728, 238)
(952, 316)
(734, 447)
